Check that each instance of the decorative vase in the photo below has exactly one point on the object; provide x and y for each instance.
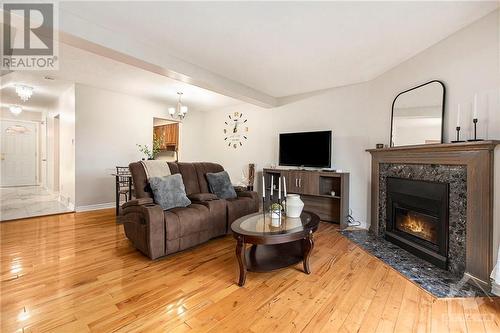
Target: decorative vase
(275, 222)
(275, 214)
(294, 205)
(275, 218)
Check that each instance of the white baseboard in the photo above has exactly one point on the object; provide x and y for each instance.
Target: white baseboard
(96, 207)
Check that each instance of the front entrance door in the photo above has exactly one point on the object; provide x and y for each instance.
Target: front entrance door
(18, 153)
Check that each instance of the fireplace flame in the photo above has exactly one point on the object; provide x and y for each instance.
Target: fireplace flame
(416, 226)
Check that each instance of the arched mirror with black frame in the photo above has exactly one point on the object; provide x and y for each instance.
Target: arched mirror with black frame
(418, 115)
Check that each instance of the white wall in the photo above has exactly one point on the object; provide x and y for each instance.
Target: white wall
(66, 110)
(50, 151)
(43, 151)
(467, 62)
(108, 127)
(340, 110)
(191, 145)
(257, 149)
(359, 115)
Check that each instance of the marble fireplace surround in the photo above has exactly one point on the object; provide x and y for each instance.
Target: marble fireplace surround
(456, 177)
(468, 167)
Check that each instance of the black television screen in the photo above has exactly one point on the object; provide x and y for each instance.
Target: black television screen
(309, 149)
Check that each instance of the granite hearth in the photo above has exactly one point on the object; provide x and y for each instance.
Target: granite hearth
(438, 282)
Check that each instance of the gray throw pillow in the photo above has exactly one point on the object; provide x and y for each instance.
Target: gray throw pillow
(169, 191)
(220, 185)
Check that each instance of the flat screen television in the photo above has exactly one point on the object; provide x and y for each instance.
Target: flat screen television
(308, 149)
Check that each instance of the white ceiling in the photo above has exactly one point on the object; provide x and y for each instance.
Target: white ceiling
(285, 48)
(45, 93)
(79, 66)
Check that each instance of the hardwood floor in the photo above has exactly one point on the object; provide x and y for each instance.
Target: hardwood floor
(78, 273)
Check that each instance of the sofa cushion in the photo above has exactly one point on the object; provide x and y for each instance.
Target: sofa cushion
(202, 197)
(169, 191)
(220, 185)
(187, 227)
(218, 215)
(194, 174)
(202, 169)
(190, 219)
(188, 172)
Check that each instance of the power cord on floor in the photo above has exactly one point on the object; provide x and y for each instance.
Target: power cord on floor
(351, 221)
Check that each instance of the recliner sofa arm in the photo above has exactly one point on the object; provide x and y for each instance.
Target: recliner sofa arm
(252, 195)
(247, 194)
(144, 225)
(137, 202)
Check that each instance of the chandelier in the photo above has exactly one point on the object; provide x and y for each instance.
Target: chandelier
(180, 109)
(24, 92)
(15, 109)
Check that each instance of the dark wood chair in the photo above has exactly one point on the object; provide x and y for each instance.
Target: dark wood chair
(123, 185)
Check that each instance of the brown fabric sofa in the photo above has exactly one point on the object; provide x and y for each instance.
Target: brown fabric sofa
(157, 233)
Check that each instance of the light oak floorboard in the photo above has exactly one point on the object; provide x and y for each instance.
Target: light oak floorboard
(79, 273)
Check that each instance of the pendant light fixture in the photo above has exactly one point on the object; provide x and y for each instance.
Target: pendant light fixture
(24, 92)
(15, 109)
(180, 110)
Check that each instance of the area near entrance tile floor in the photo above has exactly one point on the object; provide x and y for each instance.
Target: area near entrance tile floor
(28, 201)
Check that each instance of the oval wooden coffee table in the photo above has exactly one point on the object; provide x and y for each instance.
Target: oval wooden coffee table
(273, 247)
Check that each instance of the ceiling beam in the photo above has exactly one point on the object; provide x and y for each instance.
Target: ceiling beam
(115, 46)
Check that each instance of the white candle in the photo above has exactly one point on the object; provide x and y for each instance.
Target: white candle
(284, 186)
(458, 115)
(263, 187)
(279, 188)
(272, 185)
(475, 107)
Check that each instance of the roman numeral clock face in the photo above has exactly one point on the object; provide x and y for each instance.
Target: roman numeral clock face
(235, 130)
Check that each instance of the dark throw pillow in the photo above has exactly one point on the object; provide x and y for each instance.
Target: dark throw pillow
(220, 185)
(169, 191)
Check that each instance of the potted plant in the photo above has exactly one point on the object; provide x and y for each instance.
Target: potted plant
(154, 151)
(275, 209)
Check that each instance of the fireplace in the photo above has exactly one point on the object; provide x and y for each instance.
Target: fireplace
(417, 218)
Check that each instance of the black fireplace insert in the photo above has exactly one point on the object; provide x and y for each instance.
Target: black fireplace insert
(417, 218)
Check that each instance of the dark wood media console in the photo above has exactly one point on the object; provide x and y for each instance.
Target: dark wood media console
(315, 187)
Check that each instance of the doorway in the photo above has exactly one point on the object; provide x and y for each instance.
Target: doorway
(36, 147)
(18, 153)
(166, 133)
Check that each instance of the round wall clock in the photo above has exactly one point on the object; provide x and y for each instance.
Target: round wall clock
(235, 130)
